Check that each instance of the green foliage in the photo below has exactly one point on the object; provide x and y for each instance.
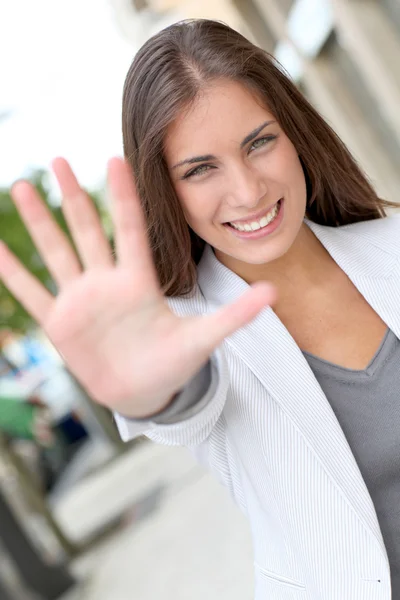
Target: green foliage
(14, 234)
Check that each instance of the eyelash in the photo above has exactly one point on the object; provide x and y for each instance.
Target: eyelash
(197, 171)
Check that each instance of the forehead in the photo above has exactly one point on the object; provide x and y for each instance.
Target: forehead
(223, 113)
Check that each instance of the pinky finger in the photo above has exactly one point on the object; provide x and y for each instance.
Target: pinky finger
(33, 296)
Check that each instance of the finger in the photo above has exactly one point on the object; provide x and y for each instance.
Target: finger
(82, 218)
(51, 242)
(132, 244)
(24, 287)
(228, 319)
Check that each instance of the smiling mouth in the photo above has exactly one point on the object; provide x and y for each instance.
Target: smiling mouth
(254, 225)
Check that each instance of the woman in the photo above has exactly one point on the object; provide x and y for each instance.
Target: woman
(249, 199)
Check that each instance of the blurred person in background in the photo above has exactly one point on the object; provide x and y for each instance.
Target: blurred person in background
(23, 416)
(27, 425)
(242, 198)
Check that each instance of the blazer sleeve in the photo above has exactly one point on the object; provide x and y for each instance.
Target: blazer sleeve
(199, 422)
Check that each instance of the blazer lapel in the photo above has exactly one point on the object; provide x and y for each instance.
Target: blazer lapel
(270, 352)
(373, 268)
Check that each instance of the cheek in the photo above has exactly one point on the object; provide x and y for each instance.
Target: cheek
(286, 163)
(299, 180)
(297, 169)
(199, 205)
(288, 172)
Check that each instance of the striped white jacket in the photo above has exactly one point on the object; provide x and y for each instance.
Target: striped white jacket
(269, 434)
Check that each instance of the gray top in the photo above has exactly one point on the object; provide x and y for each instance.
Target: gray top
(366, 404)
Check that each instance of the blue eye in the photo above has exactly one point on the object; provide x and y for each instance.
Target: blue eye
(262, 142)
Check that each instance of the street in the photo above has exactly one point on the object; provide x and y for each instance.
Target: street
(185, 539)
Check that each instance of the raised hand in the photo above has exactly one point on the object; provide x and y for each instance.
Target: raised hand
(109, 321)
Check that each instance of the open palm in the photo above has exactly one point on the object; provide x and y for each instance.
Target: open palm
(110, 321)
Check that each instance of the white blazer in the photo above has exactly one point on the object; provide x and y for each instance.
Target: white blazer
(269, 434)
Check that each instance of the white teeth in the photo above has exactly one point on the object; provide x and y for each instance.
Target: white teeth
(258, 224)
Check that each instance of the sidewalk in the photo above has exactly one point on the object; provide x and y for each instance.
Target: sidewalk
(194, 545)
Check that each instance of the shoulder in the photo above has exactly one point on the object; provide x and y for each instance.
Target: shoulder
(383, 233)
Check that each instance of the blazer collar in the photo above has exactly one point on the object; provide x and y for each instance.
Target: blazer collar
(270, 352)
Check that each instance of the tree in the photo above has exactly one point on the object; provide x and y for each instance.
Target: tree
(14, 234)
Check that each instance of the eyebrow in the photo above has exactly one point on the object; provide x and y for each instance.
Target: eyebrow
(196, 159)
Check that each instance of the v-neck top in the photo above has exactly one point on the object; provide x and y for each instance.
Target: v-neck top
(367, 406)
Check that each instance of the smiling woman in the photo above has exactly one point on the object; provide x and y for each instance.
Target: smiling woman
(241, 184)
(204, 109)
(241, 190)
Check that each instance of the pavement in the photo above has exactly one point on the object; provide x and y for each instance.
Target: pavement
(182, 538)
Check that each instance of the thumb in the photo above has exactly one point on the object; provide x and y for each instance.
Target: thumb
(232, 317)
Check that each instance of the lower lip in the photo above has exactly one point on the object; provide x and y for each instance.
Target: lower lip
(259, 233)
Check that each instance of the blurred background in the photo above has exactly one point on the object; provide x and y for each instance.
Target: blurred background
(83, 516)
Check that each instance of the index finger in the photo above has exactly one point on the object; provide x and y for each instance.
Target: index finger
(132, 244)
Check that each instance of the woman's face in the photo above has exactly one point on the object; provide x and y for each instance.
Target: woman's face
(237, 175)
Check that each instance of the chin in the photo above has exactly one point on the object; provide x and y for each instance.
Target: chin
(268, 251)
(260, 257)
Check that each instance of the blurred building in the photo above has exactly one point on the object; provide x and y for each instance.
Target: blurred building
(344, 55)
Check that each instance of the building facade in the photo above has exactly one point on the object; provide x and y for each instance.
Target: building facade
(344, 55)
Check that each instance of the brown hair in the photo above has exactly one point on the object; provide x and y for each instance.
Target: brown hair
(165, 77)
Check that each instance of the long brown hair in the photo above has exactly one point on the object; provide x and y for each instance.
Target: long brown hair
(165, 77)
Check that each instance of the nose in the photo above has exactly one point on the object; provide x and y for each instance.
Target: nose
(246, 187)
